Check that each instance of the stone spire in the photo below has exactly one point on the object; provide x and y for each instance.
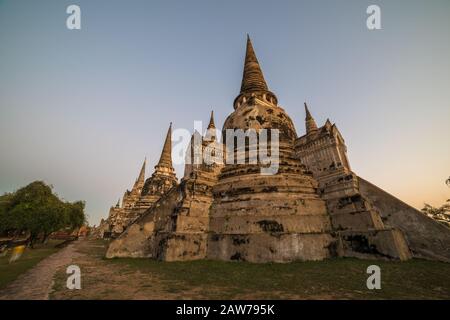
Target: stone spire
(211, 124)
(139, 183)
(253, 83)
(163, 178)
(141, 178)
(166, 155)
(211, 130)
(118, 203)
(253, 78)
(310, 123)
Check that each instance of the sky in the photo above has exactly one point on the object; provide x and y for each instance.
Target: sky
(81, 109)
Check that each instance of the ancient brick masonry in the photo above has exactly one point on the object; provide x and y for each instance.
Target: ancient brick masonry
(355, 221)
(313, 208)
(176, 226)
(120, 215)
(143, 194)
(257, 217)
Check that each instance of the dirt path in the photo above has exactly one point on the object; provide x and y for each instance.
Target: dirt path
(102, 280)
(99, 279)
(36, 283)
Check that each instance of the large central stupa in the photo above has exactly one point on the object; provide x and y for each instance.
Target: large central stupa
(272, 217)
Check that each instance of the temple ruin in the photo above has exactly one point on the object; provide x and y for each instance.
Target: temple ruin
(314, 207)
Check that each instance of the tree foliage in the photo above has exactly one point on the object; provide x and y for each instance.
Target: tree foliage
(441, 214)
(37, 211)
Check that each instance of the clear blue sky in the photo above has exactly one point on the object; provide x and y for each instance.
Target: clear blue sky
(81, 109)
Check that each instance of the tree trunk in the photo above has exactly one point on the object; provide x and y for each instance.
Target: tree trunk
(45, 238)
(32, 240)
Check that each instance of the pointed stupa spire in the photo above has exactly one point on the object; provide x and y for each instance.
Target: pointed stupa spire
(139, 183)
(166, 155)
(310, 123)
(211, 124)
(141, 177)
(253, 78)
(253, 83)
(118, 203)
(211, 130)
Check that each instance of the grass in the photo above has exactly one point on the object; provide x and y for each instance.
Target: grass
(343, 278)
(10, 271)
(337, 278)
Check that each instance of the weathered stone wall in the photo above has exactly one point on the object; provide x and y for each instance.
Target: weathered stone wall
(138, 240)
(267, 246)
(189, 237)
(374, 244)
(426, 237)
(175, 227)
(355, 221)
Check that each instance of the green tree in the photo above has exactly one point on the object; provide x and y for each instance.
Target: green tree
(37, 211)
(75, 216)
(441, 214)
(6, 223)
